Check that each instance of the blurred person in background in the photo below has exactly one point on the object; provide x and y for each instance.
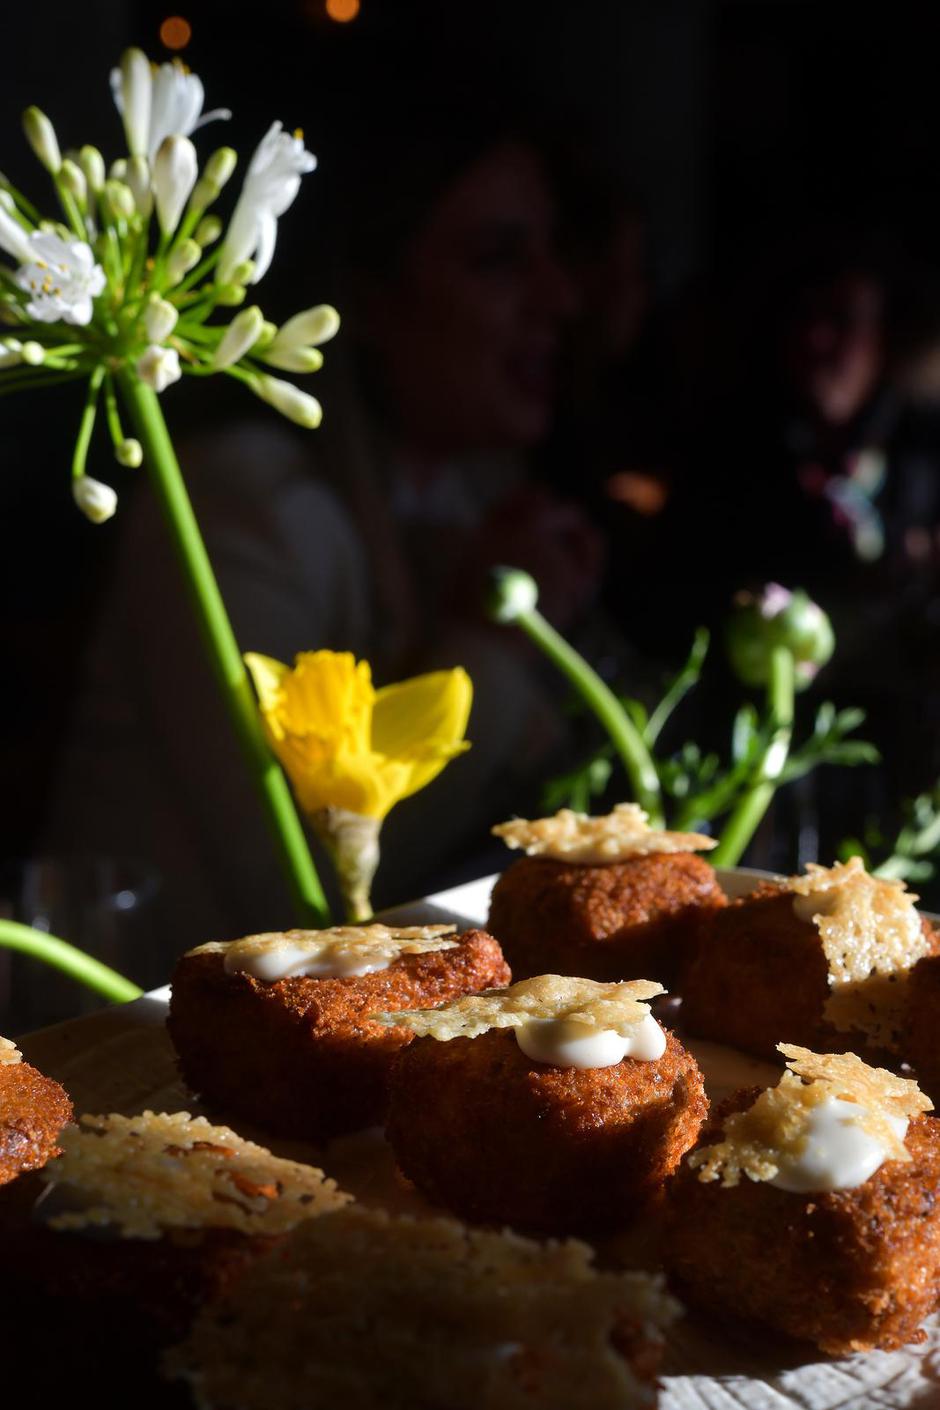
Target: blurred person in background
(374, 535)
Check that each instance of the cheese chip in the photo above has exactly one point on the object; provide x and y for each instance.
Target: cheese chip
(9, 1053)
(362, 1309)
(613, 1008)
(757, 1141)
(871, 935)
(586, 841)
(145, 1174)
(368, 943)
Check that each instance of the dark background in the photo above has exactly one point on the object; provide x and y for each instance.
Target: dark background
(735, 127)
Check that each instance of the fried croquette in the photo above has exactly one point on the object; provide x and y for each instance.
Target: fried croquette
(33, 1110)
(922, 1050)
(759, 976)
(602, 922)
(848, 1270)
(299, 1056)
(497, 1138)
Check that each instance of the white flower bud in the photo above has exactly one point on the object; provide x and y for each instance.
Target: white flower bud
(73, 179)
(14, 240)
(121, 200)
(184, 258)
(174, 175)
(290, 401)
(310, 328)
(92, 163)
(96, 501)
(11, 352)
(159, 367)
(138, 179)
(33, 354)
(268, 334)
(118, 171)
(239, 337)
(208, 230)
(159, 319)
(40, 135)
(136, 89)
(129, 453)
(242, 273)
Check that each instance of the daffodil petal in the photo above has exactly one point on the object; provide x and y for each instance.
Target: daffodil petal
(267, 674)
(422, 716)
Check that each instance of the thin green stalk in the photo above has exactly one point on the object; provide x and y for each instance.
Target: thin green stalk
(71, 961)
(598, 696)
(34, 379)
(86, 425)
(744, 820)
(223, 649)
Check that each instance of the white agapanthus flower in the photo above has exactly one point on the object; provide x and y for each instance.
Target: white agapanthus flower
(159, 367)
(61, 277)
(271, 185)
(158, 102)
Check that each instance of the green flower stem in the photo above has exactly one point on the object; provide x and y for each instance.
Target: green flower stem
(223, 649)
(624, 735)
(71, 961)
(31, 380)
(752, 806)
(86, 425)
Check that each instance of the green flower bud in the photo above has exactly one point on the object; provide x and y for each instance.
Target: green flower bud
(73, 179)
(231, 295)
(220, 166)
(184, 258)
(511, 594)
(121, 200)
(129, 453)
(40, 135)
(92, 164)
(208, 230)
(777, 617)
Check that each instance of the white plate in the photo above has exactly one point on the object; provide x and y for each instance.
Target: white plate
(121, 1060)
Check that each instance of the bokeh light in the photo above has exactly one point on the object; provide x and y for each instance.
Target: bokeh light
(175, 32)
(342, 10)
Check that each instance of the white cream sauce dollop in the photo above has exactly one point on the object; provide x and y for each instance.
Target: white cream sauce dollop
(562, 1042)
(837, 1154)
(287, 961)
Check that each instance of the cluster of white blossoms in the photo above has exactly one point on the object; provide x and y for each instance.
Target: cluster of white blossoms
(124, 288)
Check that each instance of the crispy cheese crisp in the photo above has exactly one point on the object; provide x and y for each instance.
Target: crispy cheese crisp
(757, 1140)
(871, 936)
(586, 841)
(362, 1309)
(609, 1007)
(145, 1174)
(9, 1053)
(340, 942)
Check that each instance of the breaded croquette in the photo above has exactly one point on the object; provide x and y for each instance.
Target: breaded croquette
(922, 1048)
(299, 1056)
(848, 1270)
(33, 1110)
(603, 922)
(498, 1138)
(760, 975)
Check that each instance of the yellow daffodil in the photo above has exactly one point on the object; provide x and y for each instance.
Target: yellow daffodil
(352, 752)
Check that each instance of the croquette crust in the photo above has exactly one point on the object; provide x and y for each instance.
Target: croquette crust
(33, 1110)
(923, 1020)
(300, 1057)
(759, 977)
(602, 922)
(850, 1270)
(496, 1138)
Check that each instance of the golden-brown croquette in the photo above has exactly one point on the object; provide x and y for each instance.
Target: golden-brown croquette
(849, 1270)
(602, 922)
(758, 977)
(497, 1138)
(300, 1056)
(922, 1047)
(33, 1110)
